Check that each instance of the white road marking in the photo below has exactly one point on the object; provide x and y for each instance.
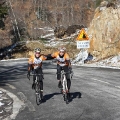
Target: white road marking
(100, 81)
(17, 104)
(117, 87)
(106, 83)
(27, 102)
(11, 86)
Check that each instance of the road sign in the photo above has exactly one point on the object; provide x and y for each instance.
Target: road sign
(82, 35)
(83, 44)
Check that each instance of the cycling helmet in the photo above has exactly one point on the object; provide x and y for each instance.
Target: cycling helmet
(37, 50)
(62, 49)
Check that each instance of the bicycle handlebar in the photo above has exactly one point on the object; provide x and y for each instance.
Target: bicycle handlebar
(28, 76)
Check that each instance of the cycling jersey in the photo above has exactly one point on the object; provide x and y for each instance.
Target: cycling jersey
(36, 62)
(61, 60)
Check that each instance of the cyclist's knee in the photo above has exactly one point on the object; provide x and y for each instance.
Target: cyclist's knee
(68, 83)
(34, 78)
(40, 79)
(68, 76)
(58, 75)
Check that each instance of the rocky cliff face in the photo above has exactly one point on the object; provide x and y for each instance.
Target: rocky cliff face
(104, 31)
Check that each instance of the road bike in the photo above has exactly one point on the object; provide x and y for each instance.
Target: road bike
(37, 87)
(64, 88)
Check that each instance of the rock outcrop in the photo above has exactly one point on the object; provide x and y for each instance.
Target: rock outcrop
(59, 32)
(104, 31)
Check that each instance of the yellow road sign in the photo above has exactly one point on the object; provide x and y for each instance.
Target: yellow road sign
(82, 35)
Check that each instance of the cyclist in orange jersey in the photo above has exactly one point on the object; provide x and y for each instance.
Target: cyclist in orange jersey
(63, 62)
(35, 64)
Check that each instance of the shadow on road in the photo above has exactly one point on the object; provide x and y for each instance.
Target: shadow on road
(10, 74)
(75, 95)
(49, 96)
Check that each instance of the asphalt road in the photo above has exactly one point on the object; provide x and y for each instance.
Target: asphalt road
(98, 89)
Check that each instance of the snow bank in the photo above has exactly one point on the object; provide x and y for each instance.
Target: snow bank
(81, 57)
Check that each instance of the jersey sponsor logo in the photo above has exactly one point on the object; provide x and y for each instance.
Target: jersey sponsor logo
(37, 61)
(60, 59)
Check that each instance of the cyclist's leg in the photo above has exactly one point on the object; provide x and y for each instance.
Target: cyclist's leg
(34, 77)
(41, 80)
(59, 75)
(66, 69)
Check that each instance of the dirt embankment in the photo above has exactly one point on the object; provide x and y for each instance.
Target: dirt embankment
(26, 50)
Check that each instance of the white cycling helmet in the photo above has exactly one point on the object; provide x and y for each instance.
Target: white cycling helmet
(62, 49)
(37, 50)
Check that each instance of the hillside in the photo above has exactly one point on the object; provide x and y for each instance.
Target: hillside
(27, 17)
(37, 20)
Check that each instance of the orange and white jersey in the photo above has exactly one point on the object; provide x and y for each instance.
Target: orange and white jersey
(36, 62)
(61, 60)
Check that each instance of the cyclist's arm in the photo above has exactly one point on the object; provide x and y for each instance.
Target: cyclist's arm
(43, 57)
(67, 59)
(29, 67)
(30, 62)
(68, 62)
(50, 57)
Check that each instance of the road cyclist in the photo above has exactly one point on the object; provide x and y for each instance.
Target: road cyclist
(35, 66)
(63, 64)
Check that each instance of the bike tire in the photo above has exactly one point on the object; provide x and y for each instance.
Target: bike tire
(66, 98)
(38, 94)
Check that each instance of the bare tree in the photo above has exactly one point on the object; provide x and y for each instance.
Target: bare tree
(56, 23)
(72, 15)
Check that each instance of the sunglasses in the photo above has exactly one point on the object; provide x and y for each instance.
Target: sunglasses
(61, 51)
(37, 53)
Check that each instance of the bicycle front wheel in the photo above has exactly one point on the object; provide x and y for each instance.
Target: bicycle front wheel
(38, 95)
(65, 94)
(66, 98)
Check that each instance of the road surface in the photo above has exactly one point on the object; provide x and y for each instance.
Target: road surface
(98, 89)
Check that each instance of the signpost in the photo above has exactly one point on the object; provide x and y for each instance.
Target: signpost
(83, 44)
(82, 41)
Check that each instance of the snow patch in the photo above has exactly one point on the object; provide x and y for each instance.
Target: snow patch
(1, 92)
(1, 111)
(81, 56)
(1, 104)
(48, 35)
